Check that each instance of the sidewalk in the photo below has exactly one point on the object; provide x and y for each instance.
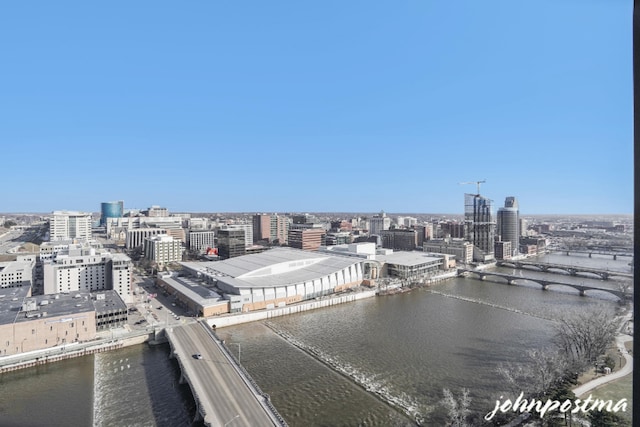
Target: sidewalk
(626, 369)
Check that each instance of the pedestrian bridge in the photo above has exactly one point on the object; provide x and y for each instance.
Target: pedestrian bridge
(571, 269)
(544, 284)
(224, 393)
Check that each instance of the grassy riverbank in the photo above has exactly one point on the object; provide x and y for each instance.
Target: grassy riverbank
(616, 390)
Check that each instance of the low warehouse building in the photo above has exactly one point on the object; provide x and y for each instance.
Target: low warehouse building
(193, 294)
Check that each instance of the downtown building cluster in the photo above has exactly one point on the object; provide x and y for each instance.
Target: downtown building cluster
(229, 264)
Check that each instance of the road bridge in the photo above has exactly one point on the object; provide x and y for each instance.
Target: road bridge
(544, 284)
(573, 270)
(615, 255)
(224, 393)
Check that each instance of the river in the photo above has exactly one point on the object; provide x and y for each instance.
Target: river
(376, 362)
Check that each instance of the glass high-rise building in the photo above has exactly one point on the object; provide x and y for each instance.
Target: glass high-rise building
(111, 210)
(509, 224)
(480, 226)
(231, 242)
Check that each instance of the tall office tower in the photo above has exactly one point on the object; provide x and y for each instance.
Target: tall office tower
(248, 232)
(271, 228)
(523, 227)
(282, 228)
(421, 234)
(508, 224)
(378, 223)
(111, 210)
(67, 225)
(262, 227)
(480, 229)
(231, 242)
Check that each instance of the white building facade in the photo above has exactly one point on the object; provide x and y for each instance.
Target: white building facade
(163, 249)
(136, 237)
(66, 225)
(199, 241)
(88, 270)
(380, 222)
(17, 273)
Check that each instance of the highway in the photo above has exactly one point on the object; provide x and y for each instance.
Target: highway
(13, 239)
(222, 394)
(10, 241)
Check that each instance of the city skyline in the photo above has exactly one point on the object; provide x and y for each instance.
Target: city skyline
(318, 108)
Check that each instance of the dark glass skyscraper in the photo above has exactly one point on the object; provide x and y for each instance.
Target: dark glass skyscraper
(480, 226)
(231, 243)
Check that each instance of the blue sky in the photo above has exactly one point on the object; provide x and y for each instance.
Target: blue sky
(251, 106)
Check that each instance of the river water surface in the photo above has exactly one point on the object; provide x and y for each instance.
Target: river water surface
(382, 361)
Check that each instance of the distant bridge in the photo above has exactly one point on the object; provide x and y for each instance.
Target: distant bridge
(615, 255)
(544, 284)
(571, 269)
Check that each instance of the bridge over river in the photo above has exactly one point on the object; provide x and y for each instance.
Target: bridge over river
(571, 269)
(224, 393)
(544, 284)
(612, 254)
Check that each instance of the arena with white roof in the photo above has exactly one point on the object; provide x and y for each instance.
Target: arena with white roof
(278, 277)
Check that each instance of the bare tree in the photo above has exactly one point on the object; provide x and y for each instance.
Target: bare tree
(458, 410)
(585, 335)
(540, 371)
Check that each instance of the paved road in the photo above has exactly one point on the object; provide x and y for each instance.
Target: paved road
(10, 241)
(225, 397)
(626, 369)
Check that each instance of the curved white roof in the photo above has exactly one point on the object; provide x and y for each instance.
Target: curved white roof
(275, 267)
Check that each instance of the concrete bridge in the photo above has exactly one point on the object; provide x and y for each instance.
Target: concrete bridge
(224, 393)
(544, 284)
(571, 269)
(615, 255)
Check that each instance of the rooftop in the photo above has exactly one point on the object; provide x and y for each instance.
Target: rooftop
(413, 258)
(107, 300)
(14, 266)
(275, 267)
(12, 299)
(194, 290)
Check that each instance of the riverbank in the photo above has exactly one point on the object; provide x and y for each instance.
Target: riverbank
(320, 302)
(123, 337)
(398, 287)
(72, 350)
(599, 380)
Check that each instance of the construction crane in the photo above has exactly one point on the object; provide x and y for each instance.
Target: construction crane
(475, 182)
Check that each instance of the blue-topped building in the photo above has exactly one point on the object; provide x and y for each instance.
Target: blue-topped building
(111, 210)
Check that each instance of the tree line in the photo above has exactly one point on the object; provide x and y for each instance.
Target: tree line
(580, 342)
